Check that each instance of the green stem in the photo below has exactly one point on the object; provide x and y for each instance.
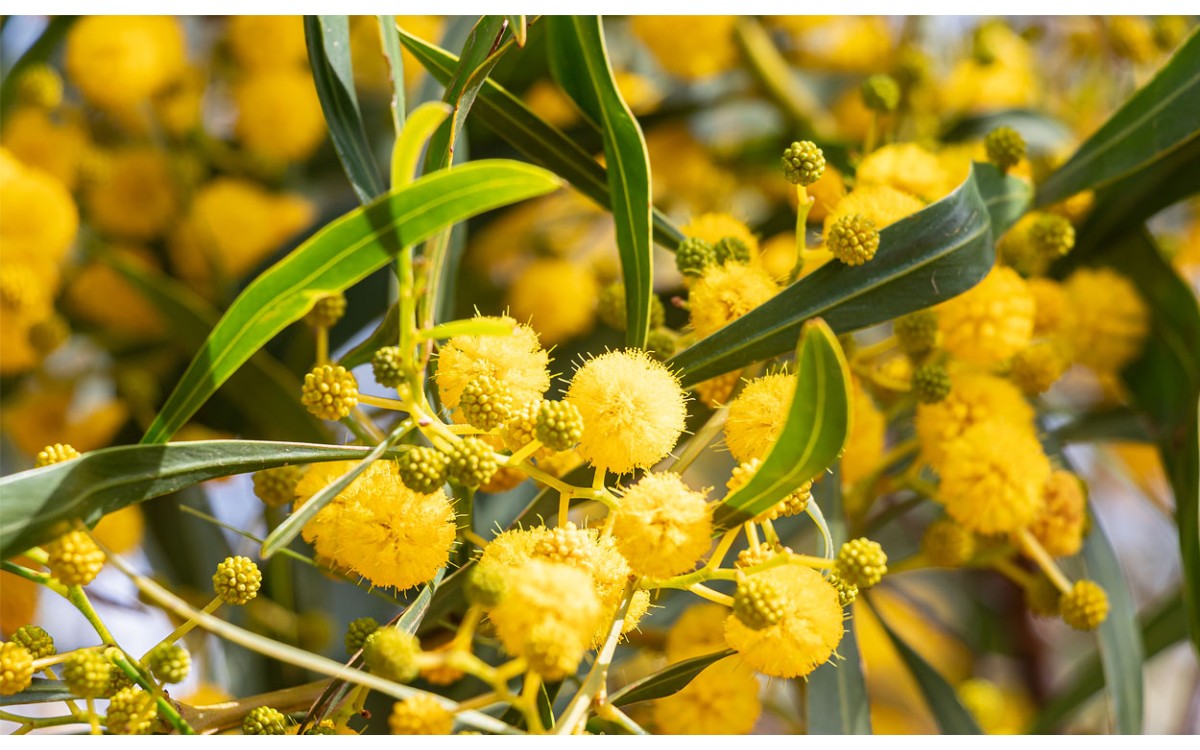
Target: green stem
(77, 596)
(803, 207)
(165, 708)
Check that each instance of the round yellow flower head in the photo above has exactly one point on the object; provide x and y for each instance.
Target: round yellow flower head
(266, 42)
(1106, 319)
(883, 205)
(991, 322)
(39, 220)
(420, 714)
(74, 559)
(907, 167)
(329, 392)
(557, 297)
(723, 699)
(41, 142)
(55, 454)
(137, 197)
(548, 614)
(237, 580)
(377, 527)
(1085, 606)
(662, 527)
(119, 61)
(517, 360)
(699, 630)
(16, 668)
(853, 239)
(1059, 527)
(806, 634)
(974, 398)
(131, 711)
(992, 478)
(757, 415)
(1037, 367)
(279, 115)
(725, 293)
(632, 407)
(714, 227)
(1050, 306)
(996, 710)
(947, 544)
(864, 445)
(691, 47)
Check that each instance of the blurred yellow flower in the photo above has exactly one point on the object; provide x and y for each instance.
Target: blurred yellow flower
(39, 220)
(691, 47)
(100, 295)
(137, 196)
(54, 145)
(279, 115)
(882, 204)
(35, 418)
(557, 297)
(907, 167)
(119, 61)
(267, 42)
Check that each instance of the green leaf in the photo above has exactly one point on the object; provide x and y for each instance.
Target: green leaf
(818, 421)
(37, 502)
(265, 390)
(1041, 132)
(667, 682)
(518, 27)
(339, 255)
(1114, 424)
(391, 50)
(328, 41)
(937, 253)
(837, 690)
(406, 154)
(939, 695)
(1159, 118)
(580, 64)
(41, 690)
(537, 140)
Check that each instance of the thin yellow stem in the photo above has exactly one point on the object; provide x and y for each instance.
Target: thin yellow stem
(804, 205)
(524, 453)
(564, 507)
(718, 555)
(382, 402)
(1035, 551)
(322, 345)
(716, 597)
(188, 625)
(93, 720)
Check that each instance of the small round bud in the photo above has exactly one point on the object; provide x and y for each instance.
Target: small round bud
(326, 727)
(326, 311)
(917, 332)
(49, 333)
(277, 487)
(484, 587)
(237, 580)
(392, 653)
(757, 554)
(472, 462)
(519, 429)
(847, 592)
(264, 720)
(40, 85)
(169, 662)
(931, 383)
(358, 632)
(661, 343)
(694, 255)
(35, 640)
(485, 403)
(87, 674)
(1042, 597)
(731, 250)
(420, 714)
(55, 454)
(1085, 606)
(559, 425)
(117, 679)
(803, 163)
(329, 392)
(1005, 147)
(16, 668)
(131, 710)
(1052, 235)
(423, 470)
(862, 562)
(757, 603)
(853, 239)
(386, 367)
(881, 93)
(74, 559)
(947, 543)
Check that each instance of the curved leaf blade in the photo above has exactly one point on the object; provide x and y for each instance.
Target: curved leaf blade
(391, 50)
(1159, 118)
(580, 64)
(667, 682)
(100, 482)
(339, 255)
(931, 256)
(818, 422)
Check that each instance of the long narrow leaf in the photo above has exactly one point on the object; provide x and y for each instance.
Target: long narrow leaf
(390, 39)
(667, 682)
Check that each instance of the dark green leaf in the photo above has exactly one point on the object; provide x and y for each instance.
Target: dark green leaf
(339, 255)
(41, 690)
(929, 257)
(328, 40)
(37, 502)
(941, 698)
(1159, 118)
(668, 681)
(1117, 424)
(391, 50)
(533, 137)
(580, 64)
(1041, 132)
(818, 421)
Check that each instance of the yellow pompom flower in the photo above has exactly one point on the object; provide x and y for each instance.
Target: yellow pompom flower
(905, 166)
(42, 142)
(377, 527)
(136, 198)
(882, 204)
(1106, 319)
(516, 360)
(757, 415)
(723, 699)
(974, 398)
(632, 407)
(39, 220)
(1059, 527)
(662, 526)
(699, 630)
(1049, 305)
(991, 322)
(804, 637)
(555, 296)
(995, 709)
(846, 44)
(279, 115)
(119, 61)
(267, 42)
(420, 714)
(1037, 367)
(714, 227)
(102, 296)
(691, 47)
(992, 478)
(725, 293)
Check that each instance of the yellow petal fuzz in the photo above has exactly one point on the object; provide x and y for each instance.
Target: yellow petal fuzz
(757, 415)
(725, 293)
(517, 360)
(992, 478)
(974, 398)
(662, 527)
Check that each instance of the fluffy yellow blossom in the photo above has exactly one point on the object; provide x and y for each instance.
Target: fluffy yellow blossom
(993, 476)
(517, 360)
(974, 87)
(1049, 306)
(377, 527)
(699, 630)
(662, 526)
(713, 227)
(420, 714)
(723, 699)
(991, 322)
(1037, 367)
(974, 398)
(804, 637)
(633, 410)
(25, 301)
(267, 42)
(1059, 527)
(1106, 319)
(118, 61)
(904, 166)
(556, 297)
(757, 415)
(686, 174)
(691, 47)
(100, 295)
(279, 115)
(725, 293)
(137, 197)
(39, 220)
(846, 44)
(865, 443)
(882, 204)
(37, 139)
